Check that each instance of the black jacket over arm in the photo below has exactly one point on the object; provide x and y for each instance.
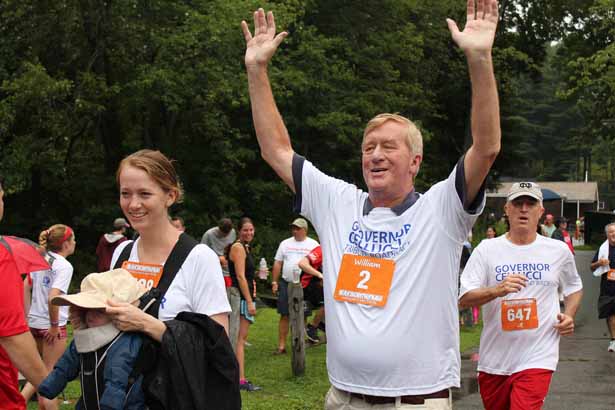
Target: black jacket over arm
(195, 369)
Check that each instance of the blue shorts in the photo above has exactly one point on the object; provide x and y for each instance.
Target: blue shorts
(243, 311)
(283, 297)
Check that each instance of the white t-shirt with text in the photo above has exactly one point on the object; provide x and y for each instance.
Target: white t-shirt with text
(411, 345)
(198, 287)
(549, 267)
(58, 277)
(290, 252)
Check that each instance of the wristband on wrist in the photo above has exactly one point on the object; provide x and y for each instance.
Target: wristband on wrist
(54, 323)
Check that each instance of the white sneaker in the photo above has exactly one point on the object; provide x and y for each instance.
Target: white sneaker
(611, 346)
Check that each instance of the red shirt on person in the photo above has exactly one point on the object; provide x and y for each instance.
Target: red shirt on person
(12, 322)
(315, 258)
(568, 240)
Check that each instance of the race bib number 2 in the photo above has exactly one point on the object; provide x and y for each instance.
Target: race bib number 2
(519, 314)
(364, 280)
(147, 274)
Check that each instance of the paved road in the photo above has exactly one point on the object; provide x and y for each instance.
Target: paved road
(585, 378)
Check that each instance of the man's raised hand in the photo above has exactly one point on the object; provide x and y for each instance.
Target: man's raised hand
(262, 46)
(481, 24)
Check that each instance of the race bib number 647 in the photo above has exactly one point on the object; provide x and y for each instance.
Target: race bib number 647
(364, 280)
(519, 314)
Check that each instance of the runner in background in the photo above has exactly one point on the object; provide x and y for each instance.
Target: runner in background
(218, 239)
(516, 278)
(108, 242)
(241, 268)
(285, 271)
(561, 233)
(603, 266)
(311, 282)
(47, 321)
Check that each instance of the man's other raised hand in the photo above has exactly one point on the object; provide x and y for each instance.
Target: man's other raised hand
(261, 46)
(479, 33)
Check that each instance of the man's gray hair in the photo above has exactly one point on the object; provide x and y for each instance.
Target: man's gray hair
(606, 227)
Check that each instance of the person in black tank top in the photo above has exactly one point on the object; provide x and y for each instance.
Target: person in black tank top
(241, 269)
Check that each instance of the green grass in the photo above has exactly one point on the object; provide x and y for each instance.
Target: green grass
(470, 337)
(281, 391)
(586, 248)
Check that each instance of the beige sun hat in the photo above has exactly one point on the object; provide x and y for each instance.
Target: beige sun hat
(96, 288)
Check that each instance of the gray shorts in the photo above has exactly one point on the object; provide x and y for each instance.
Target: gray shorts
(283, 297)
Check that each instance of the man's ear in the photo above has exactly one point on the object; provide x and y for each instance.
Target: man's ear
(415, 164)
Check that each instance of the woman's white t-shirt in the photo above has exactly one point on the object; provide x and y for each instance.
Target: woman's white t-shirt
(58, 277)
(198, 286)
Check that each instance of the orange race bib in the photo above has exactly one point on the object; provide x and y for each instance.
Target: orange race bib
(610, 275)
(147, 274)
(519, 314)
(364, 280)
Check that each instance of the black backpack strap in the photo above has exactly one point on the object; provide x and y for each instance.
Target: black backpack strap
(174, 262)
(124, 256)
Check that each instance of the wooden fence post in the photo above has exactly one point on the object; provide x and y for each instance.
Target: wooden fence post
(297, 327)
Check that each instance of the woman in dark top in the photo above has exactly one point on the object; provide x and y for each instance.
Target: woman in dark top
(241, 270)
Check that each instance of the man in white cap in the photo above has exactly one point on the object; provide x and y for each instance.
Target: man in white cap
(108, 242)
(287, 257)
(516, 277)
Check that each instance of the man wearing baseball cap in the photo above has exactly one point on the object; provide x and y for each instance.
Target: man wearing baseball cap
(287, 257)
(108, 242)
(516, 278)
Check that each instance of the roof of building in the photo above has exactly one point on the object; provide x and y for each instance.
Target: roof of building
(569, 191)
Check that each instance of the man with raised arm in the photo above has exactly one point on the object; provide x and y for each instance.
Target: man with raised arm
(391, 255)
(516, 278)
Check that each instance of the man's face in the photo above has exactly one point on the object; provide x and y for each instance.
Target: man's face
(549, 220)
(610, 234)
(298, 233)
(523, 213)
(388, 165)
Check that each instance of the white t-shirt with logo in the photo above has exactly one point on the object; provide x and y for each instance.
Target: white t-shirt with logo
(290, 252)
(549, 266)
(411, 345)
(58, 277)
(198, 286)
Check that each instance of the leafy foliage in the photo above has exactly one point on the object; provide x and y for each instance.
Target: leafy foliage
(83, 83)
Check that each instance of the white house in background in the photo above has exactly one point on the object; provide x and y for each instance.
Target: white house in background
(569, 199)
